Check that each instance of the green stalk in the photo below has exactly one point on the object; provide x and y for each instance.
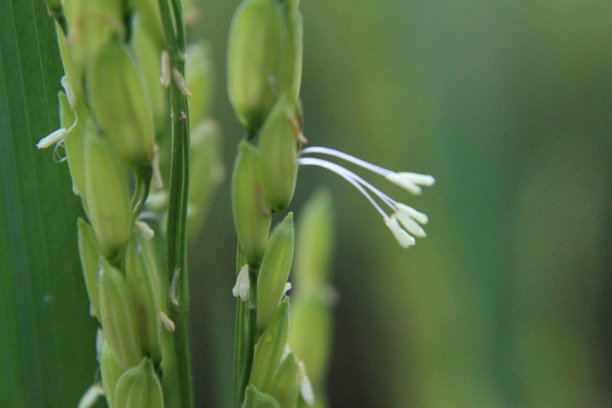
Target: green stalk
(178, 303)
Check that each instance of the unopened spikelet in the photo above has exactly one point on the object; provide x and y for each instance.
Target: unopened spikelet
(254, 59)
(119, 319)
(143, 290)
(89, 253)
(269, 349)
(139, 387)
(251, 215)
(291, 76)
(286, 382)
(275, 268)
(107, 193)
(109, 371)
(92, 24)
(278, 145)
(120, 104)
(257, 399)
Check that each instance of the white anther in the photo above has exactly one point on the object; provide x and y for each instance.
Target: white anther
(167, 322)
(403, 238)
(242, 288)
(410, 225)
(306, 386)
(146, 231)
(412, 213)
(179, 80)
(52, 138)
(411, 181)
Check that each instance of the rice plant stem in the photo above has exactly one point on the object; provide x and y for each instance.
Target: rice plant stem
(178, 302)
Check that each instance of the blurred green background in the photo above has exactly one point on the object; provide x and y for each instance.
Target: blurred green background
(509, 105)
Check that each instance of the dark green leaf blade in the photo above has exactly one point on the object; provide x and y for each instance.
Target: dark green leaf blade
(46, 336)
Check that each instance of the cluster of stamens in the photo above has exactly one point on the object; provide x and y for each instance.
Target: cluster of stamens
(402, 220)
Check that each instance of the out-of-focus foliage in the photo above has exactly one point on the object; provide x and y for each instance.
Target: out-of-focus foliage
(509, 105)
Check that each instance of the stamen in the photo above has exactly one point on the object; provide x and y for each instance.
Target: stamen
(52, 138)
(410, 225)
(344, 156)
(411, 181)
(242, 289)
(167, 322)
(306, 390)
(406, 180)
(404, 222)
(146, 231)
(345, 174)
(412, 213)
(91, 396)
(403, 238)
(179, 80)
(59, 152)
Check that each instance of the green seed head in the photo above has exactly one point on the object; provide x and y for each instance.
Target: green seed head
(286, 383)
(89, 253)
(120, 104)
(119, 318)
(139, 387)
(254, 59)
(274, 271)
(257, 399)
(106, 186)
(143, 290)
(251, 215)
(278, 145)
(269, 349)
